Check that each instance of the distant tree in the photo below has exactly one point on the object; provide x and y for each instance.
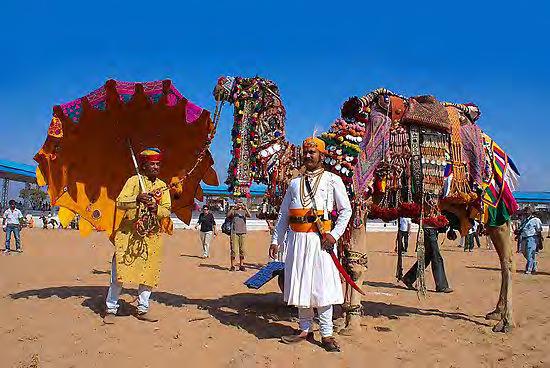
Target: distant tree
(33, 195)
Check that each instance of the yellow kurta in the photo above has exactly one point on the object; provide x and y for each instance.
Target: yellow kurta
(138, 258)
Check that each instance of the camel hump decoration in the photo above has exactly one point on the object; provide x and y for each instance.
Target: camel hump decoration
(413, 157)
(420, 155)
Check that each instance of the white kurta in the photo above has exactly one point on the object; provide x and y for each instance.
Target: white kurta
(311, 278)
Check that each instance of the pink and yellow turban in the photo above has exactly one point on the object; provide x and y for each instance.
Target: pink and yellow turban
(150, 154)
(316, 143)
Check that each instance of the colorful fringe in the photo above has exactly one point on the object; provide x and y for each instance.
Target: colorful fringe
(499, 203)
(372, 150)
(474, 155)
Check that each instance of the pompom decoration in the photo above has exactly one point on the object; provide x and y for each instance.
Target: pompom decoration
(382, 213)
(434, 221)
(409, 209)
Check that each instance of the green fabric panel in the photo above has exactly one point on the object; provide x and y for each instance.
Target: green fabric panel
(498, 215)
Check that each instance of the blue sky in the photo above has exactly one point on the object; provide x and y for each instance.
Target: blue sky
(319, 53)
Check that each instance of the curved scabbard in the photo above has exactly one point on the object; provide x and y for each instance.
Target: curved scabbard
(343, 272)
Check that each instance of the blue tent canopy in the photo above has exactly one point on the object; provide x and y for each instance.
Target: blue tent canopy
(532, 197)
(255, 190)
(18, 172)
(27, 173)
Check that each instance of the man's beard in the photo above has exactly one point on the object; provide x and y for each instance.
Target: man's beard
(312, 164)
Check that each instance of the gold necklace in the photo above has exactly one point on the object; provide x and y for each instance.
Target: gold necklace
(316, 176)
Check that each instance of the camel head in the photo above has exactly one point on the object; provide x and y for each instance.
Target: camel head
(258, 129)
(223, 88)
(370, 115)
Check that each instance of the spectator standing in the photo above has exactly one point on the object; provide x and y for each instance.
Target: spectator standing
(530, 234)
(238, 215)
(403, 233)
(472, 234)
(432, 255)
(208, 227)
(12, 225)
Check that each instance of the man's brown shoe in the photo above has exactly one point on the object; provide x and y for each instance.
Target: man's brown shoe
(146, 316)
(330, 344)
(109, 319)
(292, 339)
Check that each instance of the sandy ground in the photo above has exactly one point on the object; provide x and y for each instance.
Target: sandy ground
(52, 296)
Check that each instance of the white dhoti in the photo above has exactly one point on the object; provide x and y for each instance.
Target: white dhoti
(311, 278)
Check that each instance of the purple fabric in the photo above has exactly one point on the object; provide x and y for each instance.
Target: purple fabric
(149, 88)
(192, 112)
(97, 96)
(126, 90)
(474, 154)
(377, 135)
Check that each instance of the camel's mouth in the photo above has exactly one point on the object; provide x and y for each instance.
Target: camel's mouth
(353, 110)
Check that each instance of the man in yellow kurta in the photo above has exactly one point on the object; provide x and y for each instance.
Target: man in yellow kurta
(138, 250)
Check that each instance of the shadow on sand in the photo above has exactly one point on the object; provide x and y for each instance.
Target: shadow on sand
(258, 314)
(254, 266)
(498, 269)
(100, 272)
(383, 284)
(394, 311)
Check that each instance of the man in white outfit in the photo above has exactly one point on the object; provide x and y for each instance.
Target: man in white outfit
(311, 278)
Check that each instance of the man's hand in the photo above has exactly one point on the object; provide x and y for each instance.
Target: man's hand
(144, 198)
(328, 242)
(273, 251)
(152, 206)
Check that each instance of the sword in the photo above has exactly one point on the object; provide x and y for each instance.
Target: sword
(136, 167)
(322, 234)
(343, 272)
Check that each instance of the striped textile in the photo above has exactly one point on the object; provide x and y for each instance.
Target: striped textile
(497, 198)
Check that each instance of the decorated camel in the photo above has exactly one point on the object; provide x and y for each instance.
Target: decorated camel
(413, 157)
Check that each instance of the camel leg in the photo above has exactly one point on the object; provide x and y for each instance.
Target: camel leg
(496, 315)
(357, 269)
(347, 297)
(353, 310)
(503, 244)
(399, 268)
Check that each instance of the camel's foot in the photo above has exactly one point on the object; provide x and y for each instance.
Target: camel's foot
(495, 315)
(503, 326)
(339, 324)
(352, 327)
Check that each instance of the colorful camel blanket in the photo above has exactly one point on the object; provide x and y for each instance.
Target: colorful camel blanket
(472, 145)
(373, 147)
(500, 180)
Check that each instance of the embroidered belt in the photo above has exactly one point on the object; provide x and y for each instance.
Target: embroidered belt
(302, 220)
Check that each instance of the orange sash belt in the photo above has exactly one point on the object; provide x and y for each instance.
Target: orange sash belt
(301, 220)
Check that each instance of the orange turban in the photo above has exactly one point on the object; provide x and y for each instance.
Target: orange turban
(150, 154)
(316, 143)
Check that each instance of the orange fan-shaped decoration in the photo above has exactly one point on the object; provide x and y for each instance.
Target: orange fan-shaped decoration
(86, 160)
